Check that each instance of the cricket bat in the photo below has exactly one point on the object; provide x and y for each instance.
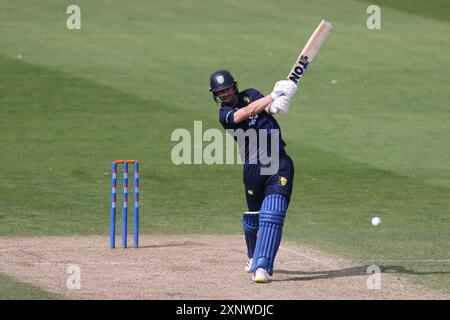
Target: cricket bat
(309, 51)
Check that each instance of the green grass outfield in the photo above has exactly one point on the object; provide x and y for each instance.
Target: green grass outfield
(374, 143)
(11, 289)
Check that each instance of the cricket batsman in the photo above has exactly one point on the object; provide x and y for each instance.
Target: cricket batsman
(267, 195)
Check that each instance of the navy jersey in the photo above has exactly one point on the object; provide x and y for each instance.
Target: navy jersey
(262, 120)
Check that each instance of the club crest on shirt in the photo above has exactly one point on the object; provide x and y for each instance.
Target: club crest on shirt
(252, 120)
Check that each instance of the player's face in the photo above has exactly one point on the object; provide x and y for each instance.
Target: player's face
(228, 95)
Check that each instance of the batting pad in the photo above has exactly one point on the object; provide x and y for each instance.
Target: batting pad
(250, 224)
(271, 220)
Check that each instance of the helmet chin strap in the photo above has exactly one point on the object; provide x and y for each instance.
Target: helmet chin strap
(234, 104)
(219, 101)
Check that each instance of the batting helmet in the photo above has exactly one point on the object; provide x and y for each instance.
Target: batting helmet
(220, 80)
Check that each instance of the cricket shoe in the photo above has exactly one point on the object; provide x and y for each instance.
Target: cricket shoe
(260, 276)
(248, 265)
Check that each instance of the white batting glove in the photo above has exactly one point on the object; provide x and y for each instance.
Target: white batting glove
(284, 87)
(280, 105)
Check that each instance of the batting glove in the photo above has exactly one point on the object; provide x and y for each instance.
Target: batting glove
(284, 88)
(280, 105)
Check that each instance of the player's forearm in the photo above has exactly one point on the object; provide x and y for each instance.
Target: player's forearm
(252, 109)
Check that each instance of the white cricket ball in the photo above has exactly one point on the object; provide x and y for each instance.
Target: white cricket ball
(376, 221)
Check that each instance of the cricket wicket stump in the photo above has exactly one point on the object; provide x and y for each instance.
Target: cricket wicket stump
(125, 163)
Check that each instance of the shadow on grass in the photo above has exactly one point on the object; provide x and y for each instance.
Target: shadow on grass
(401, 269)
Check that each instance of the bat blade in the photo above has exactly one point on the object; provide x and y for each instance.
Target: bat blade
(309, 51)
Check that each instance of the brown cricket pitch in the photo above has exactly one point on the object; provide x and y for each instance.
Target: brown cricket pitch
(190, 267)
